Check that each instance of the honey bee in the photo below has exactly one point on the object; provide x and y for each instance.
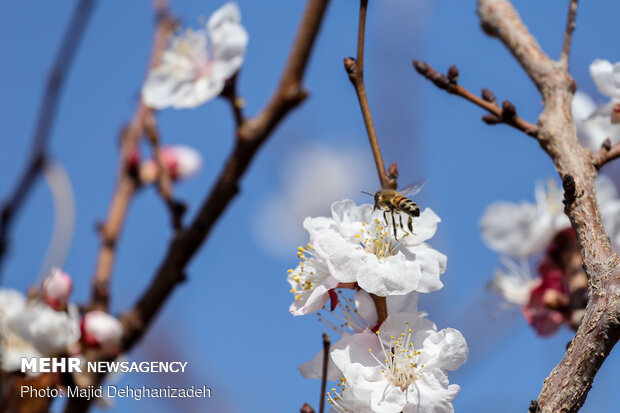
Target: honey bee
(390, 201)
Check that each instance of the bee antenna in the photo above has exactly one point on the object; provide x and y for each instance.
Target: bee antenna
(367, 193)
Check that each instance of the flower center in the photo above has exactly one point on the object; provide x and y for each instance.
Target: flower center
(400, 361)
(306, 272)
(335, 398)
(378, 239)
(350, 321)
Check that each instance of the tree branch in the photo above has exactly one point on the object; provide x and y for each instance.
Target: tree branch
(127, 181)
(326, 346)
(251, 134)
(506, 114)
(567, 386)
(568, 34)
(47, 111)
(607, 153)
(164, 180)
(355, 70)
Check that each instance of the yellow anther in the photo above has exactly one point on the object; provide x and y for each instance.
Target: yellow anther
(310, 246)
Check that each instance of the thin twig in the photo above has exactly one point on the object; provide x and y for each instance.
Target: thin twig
(47, 111)
(251, 134)
(236, 102)
(163, 179)
(505, 114)
(355, 70)
(326, 345)
(568, 34)
(606, 154)
(127, 181)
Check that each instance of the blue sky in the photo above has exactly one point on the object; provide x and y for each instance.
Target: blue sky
(230, 320)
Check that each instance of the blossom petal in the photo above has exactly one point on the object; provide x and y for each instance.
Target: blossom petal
(431, 393)
(313, 369)
(229, 40)
(606, 76)
(445, 349)
(515, 229)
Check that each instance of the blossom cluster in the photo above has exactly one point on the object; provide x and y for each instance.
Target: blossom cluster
(47, 324)
(540, 233)
(396, 364)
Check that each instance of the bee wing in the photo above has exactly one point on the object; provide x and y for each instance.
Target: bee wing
(413, 189)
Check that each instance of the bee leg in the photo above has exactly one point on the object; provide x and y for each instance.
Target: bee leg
(400, 218)
(410, 224)
(394, 224)
(385, 217)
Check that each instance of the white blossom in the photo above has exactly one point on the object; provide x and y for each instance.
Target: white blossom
(357, 316)
(99, 329)
(310, 282)
(596, 123)
(49, 331)
(402, 367)
(524, 229)
(33, 329)
(514, 282)
(195, 66)
(358, 246)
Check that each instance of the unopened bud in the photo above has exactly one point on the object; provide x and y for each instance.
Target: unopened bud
(421, 67)
(488, 95)
(350, 64)
(453, 74)
(101, 330)
(509, 110)
(56, 289)
(180, 162)
(491, 119)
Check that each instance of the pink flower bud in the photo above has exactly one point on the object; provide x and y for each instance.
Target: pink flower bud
(99, 329)
(56, 289)
(180, 161)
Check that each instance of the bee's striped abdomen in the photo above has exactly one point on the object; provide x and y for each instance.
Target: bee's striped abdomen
(407, 205)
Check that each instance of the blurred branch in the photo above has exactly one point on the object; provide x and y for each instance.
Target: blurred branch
(251, 134)
(164, 180)
(568, 384)
(236, 102)
(507, 113)
(127, 182)
(45, 120)
(355, 70)
(606, 154)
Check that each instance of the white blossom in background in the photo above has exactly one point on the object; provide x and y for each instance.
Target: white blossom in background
(196, 64)
(596, 123)
(99, 329)
(180, 161)
(514, 282)
(311, 177)
(524, 229)
(33, 329)
(56, 289)
(49, 331)
(12, 346)
(402, 367)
